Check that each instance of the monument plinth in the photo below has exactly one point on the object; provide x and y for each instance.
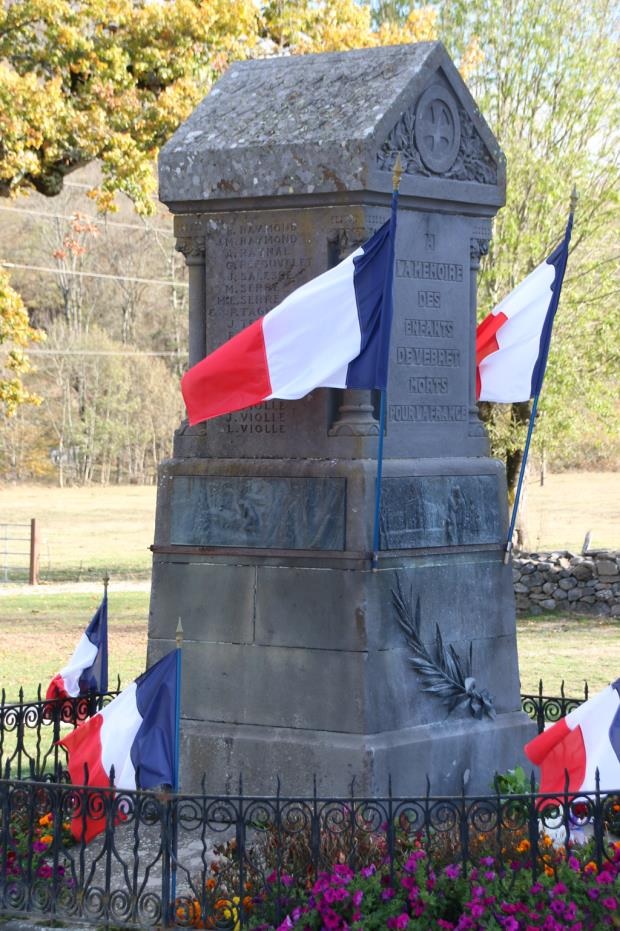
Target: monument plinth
(295, 663)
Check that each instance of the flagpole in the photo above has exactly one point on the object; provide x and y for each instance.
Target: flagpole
(387, 296)
(177, 722)
(177, 756)
(530, 430)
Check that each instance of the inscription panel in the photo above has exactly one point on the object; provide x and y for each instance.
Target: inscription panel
(442, 510)
(255, 511)
(427, 402)
(253, 260)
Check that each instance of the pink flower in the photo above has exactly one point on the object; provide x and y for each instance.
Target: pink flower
(286, 924)
(343, 872)
(398, 922)
(610, 903)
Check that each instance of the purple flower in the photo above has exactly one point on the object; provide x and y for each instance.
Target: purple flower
(44, 871)
(387, 894)
(358, 895)
(286, 880)
(487, 861)
(559, 889)
(286, 924)
(343, 872)
(510, 924)
(452, 870)
(609, 903)
(477, 910)
(398, 922)
(369, 870)
(38, 846)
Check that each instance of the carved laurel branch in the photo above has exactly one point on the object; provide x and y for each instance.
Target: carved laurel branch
(442, 674)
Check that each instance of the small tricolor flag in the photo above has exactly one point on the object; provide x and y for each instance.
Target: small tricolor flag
(585, 740)
(512, 342)
(87, 670)
(136, 731)
(332, 332)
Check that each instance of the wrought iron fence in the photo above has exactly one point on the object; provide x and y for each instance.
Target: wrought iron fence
(547, 709)
(239, 861)
(30, 729)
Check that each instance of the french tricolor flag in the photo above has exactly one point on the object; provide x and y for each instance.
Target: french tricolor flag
(135, 734)
(332, 332)
(585, 740)
(87, 670)
(512, 342)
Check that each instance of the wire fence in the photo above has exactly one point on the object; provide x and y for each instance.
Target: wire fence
(19, 552)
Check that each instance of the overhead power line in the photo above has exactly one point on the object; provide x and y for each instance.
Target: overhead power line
(65, 271)
(89, 217)
(102, 352)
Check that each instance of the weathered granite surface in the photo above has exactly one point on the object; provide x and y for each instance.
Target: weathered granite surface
(331, 124)
(295, 663)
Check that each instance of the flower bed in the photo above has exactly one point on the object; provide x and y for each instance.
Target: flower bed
(516, 888)
(570, 894)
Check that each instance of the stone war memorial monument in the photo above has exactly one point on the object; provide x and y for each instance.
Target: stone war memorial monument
(296, 662)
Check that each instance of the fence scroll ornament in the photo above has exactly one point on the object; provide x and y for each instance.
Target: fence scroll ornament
(443, 674)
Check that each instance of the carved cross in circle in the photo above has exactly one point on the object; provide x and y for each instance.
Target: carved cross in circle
(437, 128)
(440, 126)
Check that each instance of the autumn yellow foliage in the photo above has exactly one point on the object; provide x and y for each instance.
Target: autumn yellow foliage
(15, 334)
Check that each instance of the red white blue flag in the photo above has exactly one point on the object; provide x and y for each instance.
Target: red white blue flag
(332, 332)
(134, 734)
(87, 670)
(585, 740)
(512, 342)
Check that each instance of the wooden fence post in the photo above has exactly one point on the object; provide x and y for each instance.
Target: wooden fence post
(34, 553)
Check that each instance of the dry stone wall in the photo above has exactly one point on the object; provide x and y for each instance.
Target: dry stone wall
(563, 581)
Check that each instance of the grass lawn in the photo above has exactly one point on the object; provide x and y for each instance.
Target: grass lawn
(39, 632)
(573, 649)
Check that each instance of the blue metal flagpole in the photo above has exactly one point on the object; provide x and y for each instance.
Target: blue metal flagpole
(553, 306)
(387, 300)
(177, 758)
(177, 722)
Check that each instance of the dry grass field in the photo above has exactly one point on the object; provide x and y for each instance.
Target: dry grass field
(560, 512)
(86, 530)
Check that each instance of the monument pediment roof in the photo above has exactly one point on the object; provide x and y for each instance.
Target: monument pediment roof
(328, 124)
